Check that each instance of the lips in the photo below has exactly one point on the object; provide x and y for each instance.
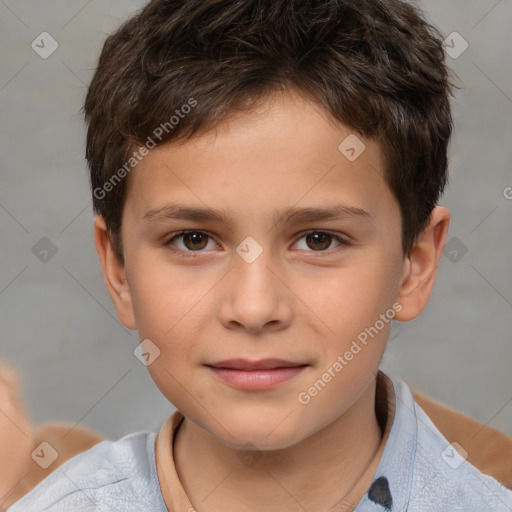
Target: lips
(259, 375)
(263, 364)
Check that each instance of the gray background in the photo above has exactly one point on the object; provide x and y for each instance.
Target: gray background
(57, 324)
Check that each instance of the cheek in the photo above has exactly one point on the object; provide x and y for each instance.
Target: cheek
(170, 309)
(350, 298)
(163, 296)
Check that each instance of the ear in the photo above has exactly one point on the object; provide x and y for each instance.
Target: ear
(420, 267)
(114, 274)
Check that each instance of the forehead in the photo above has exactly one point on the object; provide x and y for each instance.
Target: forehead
(286, 151)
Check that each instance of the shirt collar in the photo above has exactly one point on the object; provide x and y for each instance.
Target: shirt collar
(392, 482)
(383, 480)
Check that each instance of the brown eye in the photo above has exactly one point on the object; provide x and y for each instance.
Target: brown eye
(320, 243)
(195, 241)
(189, 242)
(319, 240)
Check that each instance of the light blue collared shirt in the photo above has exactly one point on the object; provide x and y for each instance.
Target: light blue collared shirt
(419, 472)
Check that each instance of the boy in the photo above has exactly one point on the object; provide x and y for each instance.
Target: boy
(228, 142)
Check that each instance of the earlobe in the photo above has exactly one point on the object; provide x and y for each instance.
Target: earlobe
(114, 274)
(420, 267)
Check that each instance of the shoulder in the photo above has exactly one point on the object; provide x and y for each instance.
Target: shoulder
(443, 478)
(421, 470)
(487, 449)
(118, 474)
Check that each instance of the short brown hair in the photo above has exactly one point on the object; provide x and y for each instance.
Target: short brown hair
(378, 66)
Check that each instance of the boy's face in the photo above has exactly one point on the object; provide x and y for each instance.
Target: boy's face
(305, 299)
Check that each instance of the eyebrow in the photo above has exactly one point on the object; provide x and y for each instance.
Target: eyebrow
(289, 215)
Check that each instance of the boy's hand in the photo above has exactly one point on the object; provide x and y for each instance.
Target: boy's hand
(16, 434)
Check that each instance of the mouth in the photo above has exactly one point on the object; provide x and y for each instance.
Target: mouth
(262, 364)
(256, 375)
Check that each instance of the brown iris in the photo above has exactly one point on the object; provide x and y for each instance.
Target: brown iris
(195, 241)
(324, 239)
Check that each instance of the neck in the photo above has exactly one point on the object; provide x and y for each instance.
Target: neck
(314, 474)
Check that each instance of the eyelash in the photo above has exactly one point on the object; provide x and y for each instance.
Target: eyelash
(194, 254)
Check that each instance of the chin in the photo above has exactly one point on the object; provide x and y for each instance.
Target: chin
(259, 441)
(264, 431)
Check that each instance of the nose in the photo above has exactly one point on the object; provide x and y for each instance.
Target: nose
(255, 297)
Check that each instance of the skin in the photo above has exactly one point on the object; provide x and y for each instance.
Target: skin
(290, 303)
(15, 435)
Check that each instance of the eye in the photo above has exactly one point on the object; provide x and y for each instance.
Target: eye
(191, 241)
(195, 241)
(319, 241)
